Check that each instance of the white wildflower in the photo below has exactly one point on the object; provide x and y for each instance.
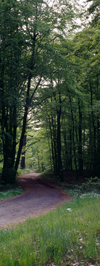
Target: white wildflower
(69, 209)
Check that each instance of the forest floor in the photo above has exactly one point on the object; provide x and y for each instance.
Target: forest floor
(38, 199)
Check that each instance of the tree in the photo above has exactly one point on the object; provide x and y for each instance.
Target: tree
(73, 106)
(27, 34)
(94, 12)
(87, 51)
(10, 80)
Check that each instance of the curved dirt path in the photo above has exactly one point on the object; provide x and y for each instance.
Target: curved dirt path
(38, 200)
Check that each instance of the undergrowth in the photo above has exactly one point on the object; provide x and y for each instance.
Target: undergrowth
(9, 193)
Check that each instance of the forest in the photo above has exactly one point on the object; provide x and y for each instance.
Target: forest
(49, 86)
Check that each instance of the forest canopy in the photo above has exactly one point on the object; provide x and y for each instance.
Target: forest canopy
(49, 86)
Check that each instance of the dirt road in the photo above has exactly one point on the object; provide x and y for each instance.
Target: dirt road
(38, 200)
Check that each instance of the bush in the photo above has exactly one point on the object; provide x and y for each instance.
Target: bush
(92, 184)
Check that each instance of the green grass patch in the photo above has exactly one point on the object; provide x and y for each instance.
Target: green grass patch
(10, 193)
(23, 171)
(68, 235)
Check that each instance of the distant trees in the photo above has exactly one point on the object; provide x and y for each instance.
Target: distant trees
(72, 111)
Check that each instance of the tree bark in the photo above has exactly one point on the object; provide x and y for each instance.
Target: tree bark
(60, 167)
(80, 154)
(73, 137)
(26, 106)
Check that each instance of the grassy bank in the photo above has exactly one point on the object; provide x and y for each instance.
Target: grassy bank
(69, 235)
(10, 192)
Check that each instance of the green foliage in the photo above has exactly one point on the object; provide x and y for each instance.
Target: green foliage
(37, 155)
(92, 185)
(22, 171)
(27, 34)
(10, 193)
(94, 11)
(49, 74)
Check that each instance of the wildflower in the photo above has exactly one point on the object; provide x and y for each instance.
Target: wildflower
(69, 209)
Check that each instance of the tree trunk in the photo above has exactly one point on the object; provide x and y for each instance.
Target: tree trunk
(60, 167)
(80, 154)
(98, 133)
(70, 160)
(73, 137)
(94, 132)
(26, 106)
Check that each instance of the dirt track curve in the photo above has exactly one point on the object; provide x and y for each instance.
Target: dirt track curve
(38, 200)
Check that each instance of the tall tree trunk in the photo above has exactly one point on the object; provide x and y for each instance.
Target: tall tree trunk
(73, 137)
(53, 144)
(80, 155)
(26, 105)
(98, 132)
(60, 167)
(94, 132)
(65, 156)
(70, 160)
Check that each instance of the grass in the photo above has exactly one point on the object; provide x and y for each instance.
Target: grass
(23, 171)
(69, 235)
(10, 190)
(10, 193)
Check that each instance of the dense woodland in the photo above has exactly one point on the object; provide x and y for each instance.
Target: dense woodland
(50, 86)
